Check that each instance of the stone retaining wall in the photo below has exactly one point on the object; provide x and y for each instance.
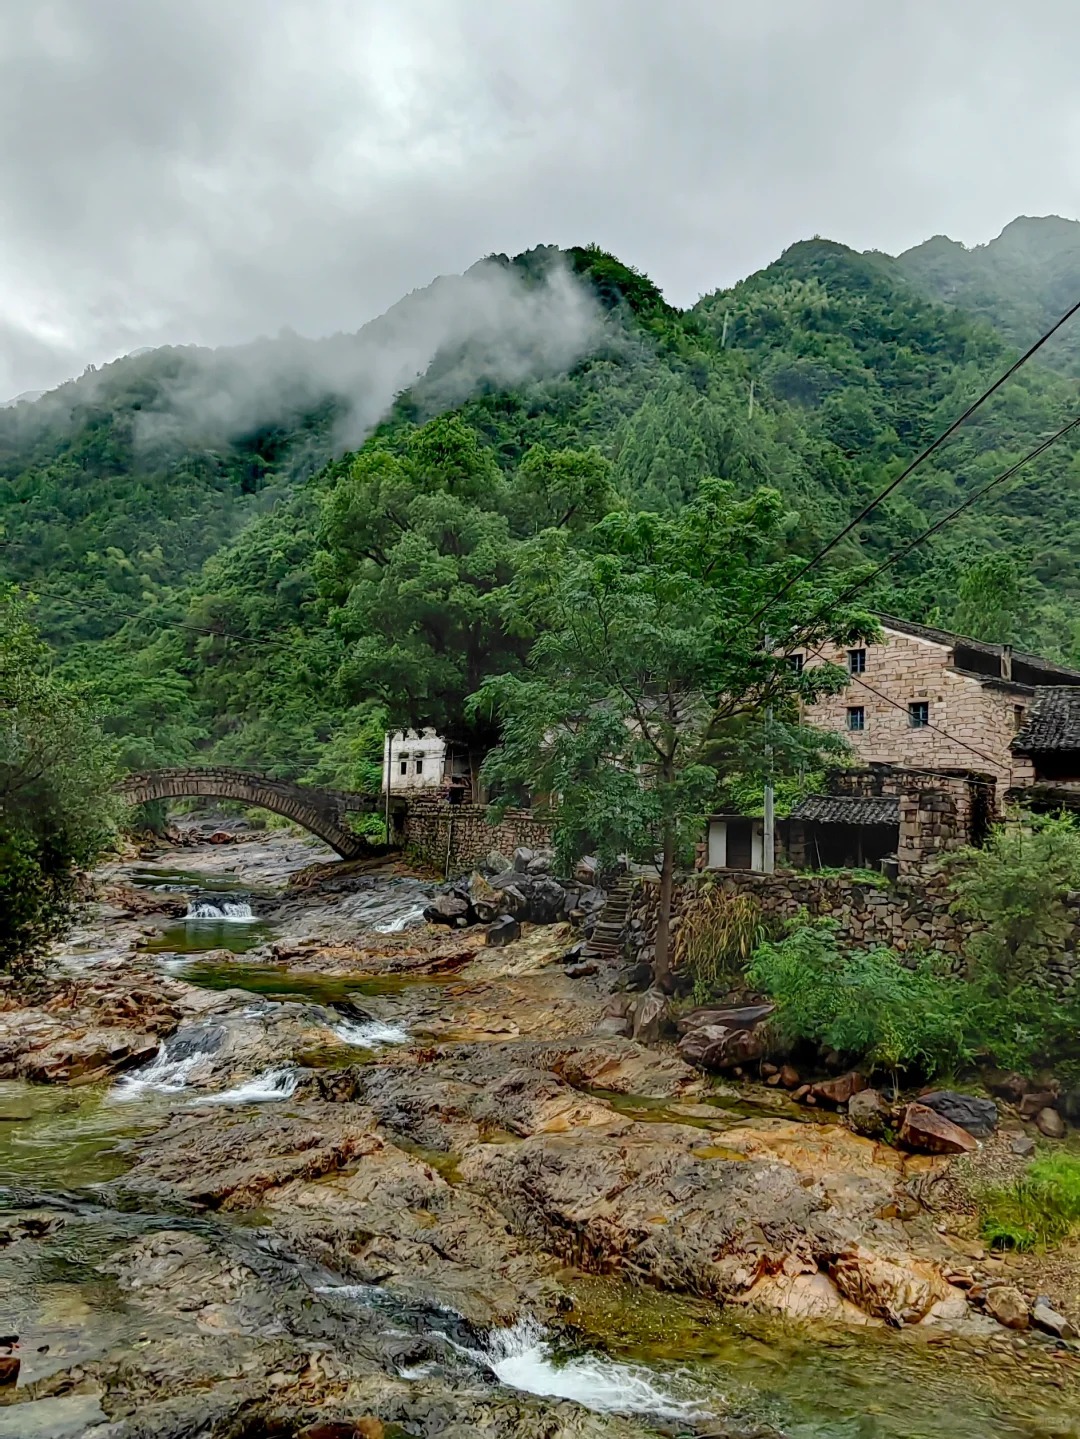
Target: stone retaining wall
(909, 916)
(454, 837)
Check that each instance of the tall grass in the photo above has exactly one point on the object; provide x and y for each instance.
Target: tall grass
(716, 938)
(1040, 1209)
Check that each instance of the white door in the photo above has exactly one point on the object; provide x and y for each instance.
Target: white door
(717, 844)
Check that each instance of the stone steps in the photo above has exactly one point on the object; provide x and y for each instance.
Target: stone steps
(609, 937)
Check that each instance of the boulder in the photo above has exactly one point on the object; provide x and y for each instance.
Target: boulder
(1008, 1306)
(977, 1116)
(496, 863)
(448, 909)
(9, 1369)
(503, 931)
(1023, 1145)
(1009, 1086)
(1044, 1316)
(1035, 1100)
(586, 870)
(838, 1091)
(716, 1046)
(744, 1016)
(868, 1114)
(592, 900)
(542, 862)
(925, 1130)
(1049, 1122)
(789, 1076)
(650, 1017)
(523, 857)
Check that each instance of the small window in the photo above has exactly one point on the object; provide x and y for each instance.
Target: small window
(919, 714)
(856, 717)
(856, 662)
(404, 764)
(796, 663)
(1019, 715)
(420, 765)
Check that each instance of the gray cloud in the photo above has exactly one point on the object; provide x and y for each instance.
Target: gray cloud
(199, 171)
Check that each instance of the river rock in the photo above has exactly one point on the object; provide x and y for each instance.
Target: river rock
(542, 862)
(715, 1046)
(504, 930)
(88, 1057)
(925, 1130)
(978, 1116)
(1044, 1316)
(650, 1017)
(452, 910)
(586, 870)
(746, 1016)
(789, 1076)
(1036, 1099)
(868, 1114)
(898, 1292)
(1049, 1122)
(523, 857)
(1022, 1145)
(838, 1091)
(496, 863)
(9, 1369)
(1008, 1306)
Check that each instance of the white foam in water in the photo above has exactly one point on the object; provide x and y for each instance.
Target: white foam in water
(233, 913)
(272, 1084)
(162, 1074)
(521, 1358)
(367, 1034)
(402, 922)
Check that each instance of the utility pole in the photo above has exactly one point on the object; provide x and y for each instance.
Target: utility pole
(768, 837)
(386, 786)
(723, 336)
(750, 411)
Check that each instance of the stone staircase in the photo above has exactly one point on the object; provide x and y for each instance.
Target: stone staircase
(608, 940)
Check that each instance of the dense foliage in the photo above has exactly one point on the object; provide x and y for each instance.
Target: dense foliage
(648, 651)
(55, 808)
(224, 588)
(1039, 1209)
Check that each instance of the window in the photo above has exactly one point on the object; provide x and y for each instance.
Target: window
(404, 764)
(1019, 715)
(420, 764)
(856, 717)
(856, 662)
(796, 663)
(919, 714)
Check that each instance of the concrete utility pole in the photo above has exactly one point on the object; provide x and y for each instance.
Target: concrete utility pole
(723, 337)
(750, 411)
(387, 783)
(768, 837)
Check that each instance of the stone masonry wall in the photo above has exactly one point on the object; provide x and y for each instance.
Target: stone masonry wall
(908, 917)
(430, 827)
(981, 714)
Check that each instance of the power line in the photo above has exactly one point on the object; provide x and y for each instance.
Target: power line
(916, 462)
(938, 525)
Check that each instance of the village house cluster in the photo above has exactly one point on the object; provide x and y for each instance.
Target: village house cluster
(949, 729)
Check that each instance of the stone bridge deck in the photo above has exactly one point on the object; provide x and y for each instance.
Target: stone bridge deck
(322, 811)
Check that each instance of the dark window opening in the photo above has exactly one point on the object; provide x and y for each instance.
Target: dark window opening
(1019, 715)
(796, 663)
(918, 714)
(856, 662)
(420, 766)
(404, 764)
(856, 717)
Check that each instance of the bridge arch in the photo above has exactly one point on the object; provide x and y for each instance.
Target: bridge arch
(321, 811)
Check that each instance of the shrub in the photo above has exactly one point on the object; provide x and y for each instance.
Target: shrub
(716, 938)
(866, 1004)
(1040, 1208)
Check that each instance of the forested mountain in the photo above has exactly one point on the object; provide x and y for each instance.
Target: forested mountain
(226, 573)
(1021, 282)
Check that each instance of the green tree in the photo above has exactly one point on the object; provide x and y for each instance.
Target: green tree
(990, 599)
(648, 647)
(56, 812)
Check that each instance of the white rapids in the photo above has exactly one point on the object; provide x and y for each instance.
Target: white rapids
(238, 912)
(278, 1083)
(370, 1033)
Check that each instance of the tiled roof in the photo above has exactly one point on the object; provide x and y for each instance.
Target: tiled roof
(1053, 722)
(848, 809)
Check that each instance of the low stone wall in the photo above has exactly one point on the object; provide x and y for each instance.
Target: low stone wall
(455, 837)
(910, 916)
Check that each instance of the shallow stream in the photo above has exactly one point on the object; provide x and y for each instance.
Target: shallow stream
(668, 1360)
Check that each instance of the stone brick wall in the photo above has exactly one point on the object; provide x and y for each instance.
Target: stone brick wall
(910, 917)
(980, 713)
(432, 829)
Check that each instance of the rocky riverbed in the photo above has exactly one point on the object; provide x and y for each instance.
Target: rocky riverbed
(305, 1166)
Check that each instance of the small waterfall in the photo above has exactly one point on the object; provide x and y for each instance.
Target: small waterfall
(370, 1033)
(173, 1065)
(236, 912)
(279, 1083)
(522, 1358)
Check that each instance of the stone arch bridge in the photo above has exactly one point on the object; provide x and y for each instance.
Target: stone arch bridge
(322, 811)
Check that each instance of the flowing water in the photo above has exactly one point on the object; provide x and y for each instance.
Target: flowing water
(667, 1360)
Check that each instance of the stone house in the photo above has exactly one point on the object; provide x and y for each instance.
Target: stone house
(926, 698)
(418, 762)
(1046, 750)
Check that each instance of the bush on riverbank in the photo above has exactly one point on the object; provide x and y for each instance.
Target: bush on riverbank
(866, 1004)
(56, 808)
(1039, 1209)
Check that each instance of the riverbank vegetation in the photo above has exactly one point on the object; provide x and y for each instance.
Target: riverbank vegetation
(56, 812)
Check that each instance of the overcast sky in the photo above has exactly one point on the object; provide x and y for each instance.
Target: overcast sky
(209, 170)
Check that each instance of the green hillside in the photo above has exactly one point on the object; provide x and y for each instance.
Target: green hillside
(227, 588)
(1021, 282)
